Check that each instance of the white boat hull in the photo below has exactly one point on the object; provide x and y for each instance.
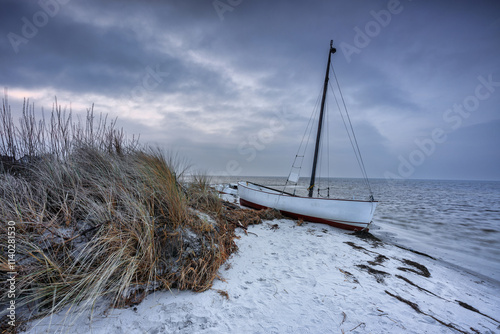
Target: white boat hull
(346, 214)
(227, 188)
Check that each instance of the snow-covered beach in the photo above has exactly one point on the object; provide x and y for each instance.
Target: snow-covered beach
(309, 278)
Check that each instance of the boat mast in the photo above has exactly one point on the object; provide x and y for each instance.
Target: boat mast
(320, 123)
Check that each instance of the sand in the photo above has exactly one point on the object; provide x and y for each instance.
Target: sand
(311, 278)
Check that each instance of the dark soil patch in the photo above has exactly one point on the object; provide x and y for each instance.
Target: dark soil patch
(349, 276)
(353, 245)
(418, 287)
(417, 309)
(421, 269)
(406, 301)
(416, 252)
(378, 274)
(368, 237)
(473, 309)
(378, 260)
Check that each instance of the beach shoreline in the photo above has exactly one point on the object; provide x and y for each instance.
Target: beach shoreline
(311, 278)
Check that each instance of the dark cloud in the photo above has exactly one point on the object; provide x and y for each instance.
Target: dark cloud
(209, 80)
(476, 145)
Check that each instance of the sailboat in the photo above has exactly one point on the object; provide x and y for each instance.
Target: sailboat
(347, 214)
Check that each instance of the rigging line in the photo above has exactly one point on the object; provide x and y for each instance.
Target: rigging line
(308, 128)
(318, 181)
(325, 149)
(314, 117)
(363, 168)
(310, 125)
(317, 111)
(328, 156)
(311, 128)
(348, 132)
(322, 154)
(353, 133)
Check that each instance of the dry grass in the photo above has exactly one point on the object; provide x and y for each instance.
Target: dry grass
(202, 196)
(97, 217)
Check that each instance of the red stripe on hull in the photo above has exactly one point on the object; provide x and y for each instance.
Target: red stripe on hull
(308, 218)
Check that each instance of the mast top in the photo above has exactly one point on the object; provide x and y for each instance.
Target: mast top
(332, 49)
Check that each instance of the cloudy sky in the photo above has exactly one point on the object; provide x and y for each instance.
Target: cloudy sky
(231, 84)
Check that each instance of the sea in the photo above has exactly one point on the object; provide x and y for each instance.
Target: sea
(456, 222)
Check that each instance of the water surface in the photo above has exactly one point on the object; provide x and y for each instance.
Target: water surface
(455, 221)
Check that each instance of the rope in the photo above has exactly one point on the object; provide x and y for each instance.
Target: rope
(307, 134)
(351, 135)
(322, 153)
(355, 145)
(328, 148)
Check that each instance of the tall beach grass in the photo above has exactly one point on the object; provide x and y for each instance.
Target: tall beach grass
(99, 217)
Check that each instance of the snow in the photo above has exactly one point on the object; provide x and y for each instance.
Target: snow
(311, 278)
